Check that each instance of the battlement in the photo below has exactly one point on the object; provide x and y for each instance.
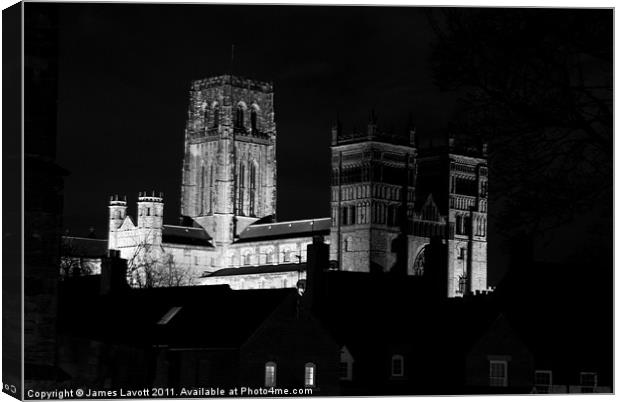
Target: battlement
(235, 81)
(456, 147)
(150, 197)
(372, 133)
(116, 200)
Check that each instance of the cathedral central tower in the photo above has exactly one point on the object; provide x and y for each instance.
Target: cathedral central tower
(229, 166)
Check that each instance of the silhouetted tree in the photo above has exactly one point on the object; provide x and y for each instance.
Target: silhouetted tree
(149, 266)
(537, 86)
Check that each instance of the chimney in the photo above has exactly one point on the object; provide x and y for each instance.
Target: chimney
(113, 273)
(316, 265)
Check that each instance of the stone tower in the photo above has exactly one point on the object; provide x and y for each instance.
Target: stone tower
(457, 177)
(117, 213)
(150, 217)
(372, 198)
(229, 166)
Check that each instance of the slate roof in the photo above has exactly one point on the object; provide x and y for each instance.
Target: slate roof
(84, 247)
(287, 229)
(188, 235)
(134, 316)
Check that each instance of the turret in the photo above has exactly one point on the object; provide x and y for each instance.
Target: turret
(150, 210)
(117, 212)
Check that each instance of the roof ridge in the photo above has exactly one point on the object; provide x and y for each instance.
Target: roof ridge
(285, 222)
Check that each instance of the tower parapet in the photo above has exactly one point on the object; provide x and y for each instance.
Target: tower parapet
(373, 132)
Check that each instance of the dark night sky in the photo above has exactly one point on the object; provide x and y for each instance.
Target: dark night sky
(124, 79)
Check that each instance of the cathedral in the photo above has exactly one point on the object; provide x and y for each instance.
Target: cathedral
(389, 200)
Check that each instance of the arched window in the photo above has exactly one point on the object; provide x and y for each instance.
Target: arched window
(310, 375)
(118, 214)
(462, 284)
(239, 123)
(247, 259)
(216, 115)
(269, 257)
(254, 120)
(420, 263)
(467, 225)
(270, 374)
(287, 255)
(398, 366)
(241, 184)
(253, 180)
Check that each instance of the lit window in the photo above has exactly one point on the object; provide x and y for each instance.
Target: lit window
(270, 374)
(397, 366)
(310, 375)
(169, 315)
(498, 373)
(542, 381)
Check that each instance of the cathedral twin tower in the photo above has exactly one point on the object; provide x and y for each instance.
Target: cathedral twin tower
(389, 200)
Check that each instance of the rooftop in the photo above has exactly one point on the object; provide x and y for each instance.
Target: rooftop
(287, 229)
(194, 236)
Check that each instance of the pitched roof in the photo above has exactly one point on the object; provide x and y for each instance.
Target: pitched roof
(286, 229)
(189, 235)
(84, 247)
(177, 317)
